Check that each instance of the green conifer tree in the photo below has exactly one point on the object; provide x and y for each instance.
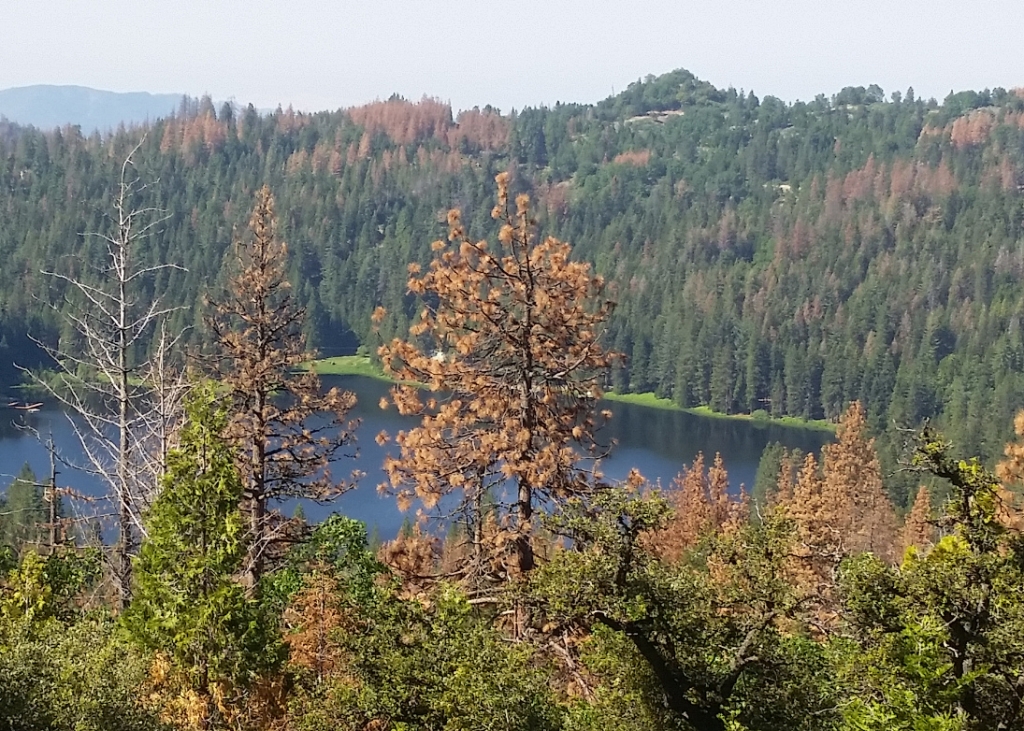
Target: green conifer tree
(22, 511)
(187, 604)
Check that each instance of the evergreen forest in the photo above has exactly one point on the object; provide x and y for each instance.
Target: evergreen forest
(854, 260)
(764, 256)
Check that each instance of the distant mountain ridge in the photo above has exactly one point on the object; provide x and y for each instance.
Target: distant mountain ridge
(47, 106)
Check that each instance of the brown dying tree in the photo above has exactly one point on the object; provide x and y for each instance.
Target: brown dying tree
(855, 501)
(286, 428)
(507, 345)
(839, 508)
(701, 506)
(919, 527)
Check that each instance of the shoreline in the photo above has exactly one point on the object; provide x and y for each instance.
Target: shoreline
(650, 400)
(361, 365)
(348, 365)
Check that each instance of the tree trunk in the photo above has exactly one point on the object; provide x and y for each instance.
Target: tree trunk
(524, 511)
(126, 544)
(257, 516)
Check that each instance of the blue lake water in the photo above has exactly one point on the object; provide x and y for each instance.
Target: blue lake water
(657, 442)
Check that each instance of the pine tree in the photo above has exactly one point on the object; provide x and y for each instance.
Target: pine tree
(1011, 469)
(23, 513)
(766, 480)
(692, 511)
(285, 429)
(919, 526)
(839, 509)
(508, 346)
(854, 499)
(702, 505)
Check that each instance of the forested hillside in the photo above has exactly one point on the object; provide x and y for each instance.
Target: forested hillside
(555, 601)
(764, 255)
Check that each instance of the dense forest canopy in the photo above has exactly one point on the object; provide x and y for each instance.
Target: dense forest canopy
(764, 255)
(811, 604)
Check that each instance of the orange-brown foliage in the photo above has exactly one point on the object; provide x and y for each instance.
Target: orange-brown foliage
(510, 355)
(191, 135)
(482, 130)
(413, 557)
(402, 121)
(891, 186)
(701, 505)
(636, 158)
(854, 497)
(919, 527)
(1011, 469)
(838, 509)
(310, 622)
(971, 129)
(262, 704)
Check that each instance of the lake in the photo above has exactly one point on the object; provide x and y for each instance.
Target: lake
(658, 442)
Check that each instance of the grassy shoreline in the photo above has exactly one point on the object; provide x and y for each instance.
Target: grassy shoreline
(649, 400)
(361, 365)
(349, 365)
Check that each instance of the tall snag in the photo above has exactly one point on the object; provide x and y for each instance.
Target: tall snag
(286, 430)
(128, 404)
(507, 345)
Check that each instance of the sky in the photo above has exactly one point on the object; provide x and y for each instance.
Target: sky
(326, 54)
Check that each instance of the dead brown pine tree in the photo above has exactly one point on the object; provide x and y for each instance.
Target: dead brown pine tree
(855, 501)
(508, 347)
(919, 526)
(701, 506)
(286, 429)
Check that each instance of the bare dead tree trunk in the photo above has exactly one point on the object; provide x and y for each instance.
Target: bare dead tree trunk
(124, 494)
(524, 516)
(51, 497)
(476, 520)
(121, 415)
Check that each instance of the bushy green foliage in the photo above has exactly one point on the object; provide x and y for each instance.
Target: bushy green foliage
(391, 662)
(718, 636)
(338, 545)
(938, 642)
(78, 676)
(187, 604)
(625, 696)
(442, 667)
(60, 669)
(40, 588)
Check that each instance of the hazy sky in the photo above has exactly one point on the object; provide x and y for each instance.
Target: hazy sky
(332, 53)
